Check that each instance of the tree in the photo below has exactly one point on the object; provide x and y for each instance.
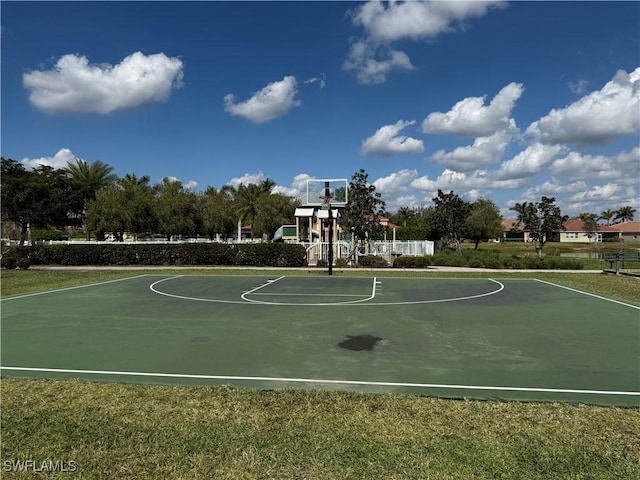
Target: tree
(249, 199)
(589, 224)
(405, 217)
(276, 210)
(607, 215)
(87, 179)
(542, 220)
(364, 209)
(216, 211)
(483, 222)
(625, 214)
(126, 206)
(42, 197)
(175, 209)
(449, 217)
(521, 209)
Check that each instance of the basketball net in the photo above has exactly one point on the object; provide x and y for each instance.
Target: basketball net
(326, 201)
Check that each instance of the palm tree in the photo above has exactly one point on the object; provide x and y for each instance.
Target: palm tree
(87, 179)
(521, 209)
(625, 214)
(90, 177)
(405, 216)
(249, 200)
(607, 215)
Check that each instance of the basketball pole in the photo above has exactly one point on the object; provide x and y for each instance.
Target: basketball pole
(327, 194)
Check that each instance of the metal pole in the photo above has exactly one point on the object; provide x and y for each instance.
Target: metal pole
(327, 195)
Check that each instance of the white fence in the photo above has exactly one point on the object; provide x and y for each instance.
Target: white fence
(389, 250)
(415, 248)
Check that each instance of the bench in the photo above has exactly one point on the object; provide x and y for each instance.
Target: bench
(620, 257)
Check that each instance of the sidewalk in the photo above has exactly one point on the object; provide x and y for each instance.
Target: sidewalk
(296, 269)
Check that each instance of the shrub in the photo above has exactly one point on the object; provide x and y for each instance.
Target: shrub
(8, 262)
(341, 262)
(263, 254)
(412, 262)
(23, 263)
(372, 261)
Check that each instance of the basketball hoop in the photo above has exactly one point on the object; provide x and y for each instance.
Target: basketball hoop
(326, 201)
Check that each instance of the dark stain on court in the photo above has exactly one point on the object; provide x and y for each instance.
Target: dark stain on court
(359, 342)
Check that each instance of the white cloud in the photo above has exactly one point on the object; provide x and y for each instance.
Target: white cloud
(624, 167)
(76, 86)
(190, 185)
(395, 182)
(371, 57)
(373, 63)
(416, 19)
(471, 117)
(273, 101)
(386, 141)
(247, 179)
(461, 182)
(483, 152)
(298, 187)
(321, 80)
(529, 162)
(596, 118)
(599, 192)
(58, 161)
(551, 188)
(580, 87)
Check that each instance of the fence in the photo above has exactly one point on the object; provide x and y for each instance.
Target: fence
(389, 250)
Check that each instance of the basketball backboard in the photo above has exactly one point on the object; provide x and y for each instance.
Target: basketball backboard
(336, 188)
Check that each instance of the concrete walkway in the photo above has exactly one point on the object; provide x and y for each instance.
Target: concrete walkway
(298, 269)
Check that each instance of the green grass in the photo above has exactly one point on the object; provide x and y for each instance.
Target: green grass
(124, 431)
(121, 431)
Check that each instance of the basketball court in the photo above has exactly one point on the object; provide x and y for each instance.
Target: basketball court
(511, 339)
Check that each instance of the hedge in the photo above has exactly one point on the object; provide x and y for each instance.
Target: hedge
(411, 262)
(258, 254)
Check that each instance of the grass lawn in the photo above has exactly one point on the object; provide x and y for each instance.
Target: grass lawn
(125, 431)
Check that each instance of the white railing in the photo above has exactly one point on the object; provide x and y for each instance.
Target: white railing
(320, 251)
(389, 250)
(416, 248)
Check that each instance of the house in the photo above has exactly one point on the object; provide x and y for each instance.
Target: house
(513, 231)
(574, 232)
(628, 231)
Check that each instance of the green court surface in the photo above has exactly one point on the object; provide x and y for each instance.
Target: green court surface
(511, 339)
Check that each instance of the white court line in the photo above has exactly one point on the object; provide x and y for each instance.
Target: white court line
(183, 297)
(269, 282)
(359, 302)
(309, 294)
(71, 288)
(589, 294)
(322, 381)
(332, 304)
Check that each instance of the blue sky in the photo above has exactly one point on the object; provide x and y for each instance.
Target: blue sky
(506, 101)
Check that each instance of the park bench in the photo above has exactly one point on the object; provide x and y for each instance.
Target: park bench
(620, 258)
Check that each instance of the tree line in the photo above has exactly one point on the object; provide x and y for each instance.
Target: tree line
(91, 198)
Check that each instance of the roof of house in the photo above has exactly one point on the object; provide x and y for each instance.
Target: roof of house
(510, 224)
(627, 227)
(577, 225)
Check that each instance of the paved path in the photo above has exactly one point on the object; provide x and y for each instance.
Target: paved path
(308, 269)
